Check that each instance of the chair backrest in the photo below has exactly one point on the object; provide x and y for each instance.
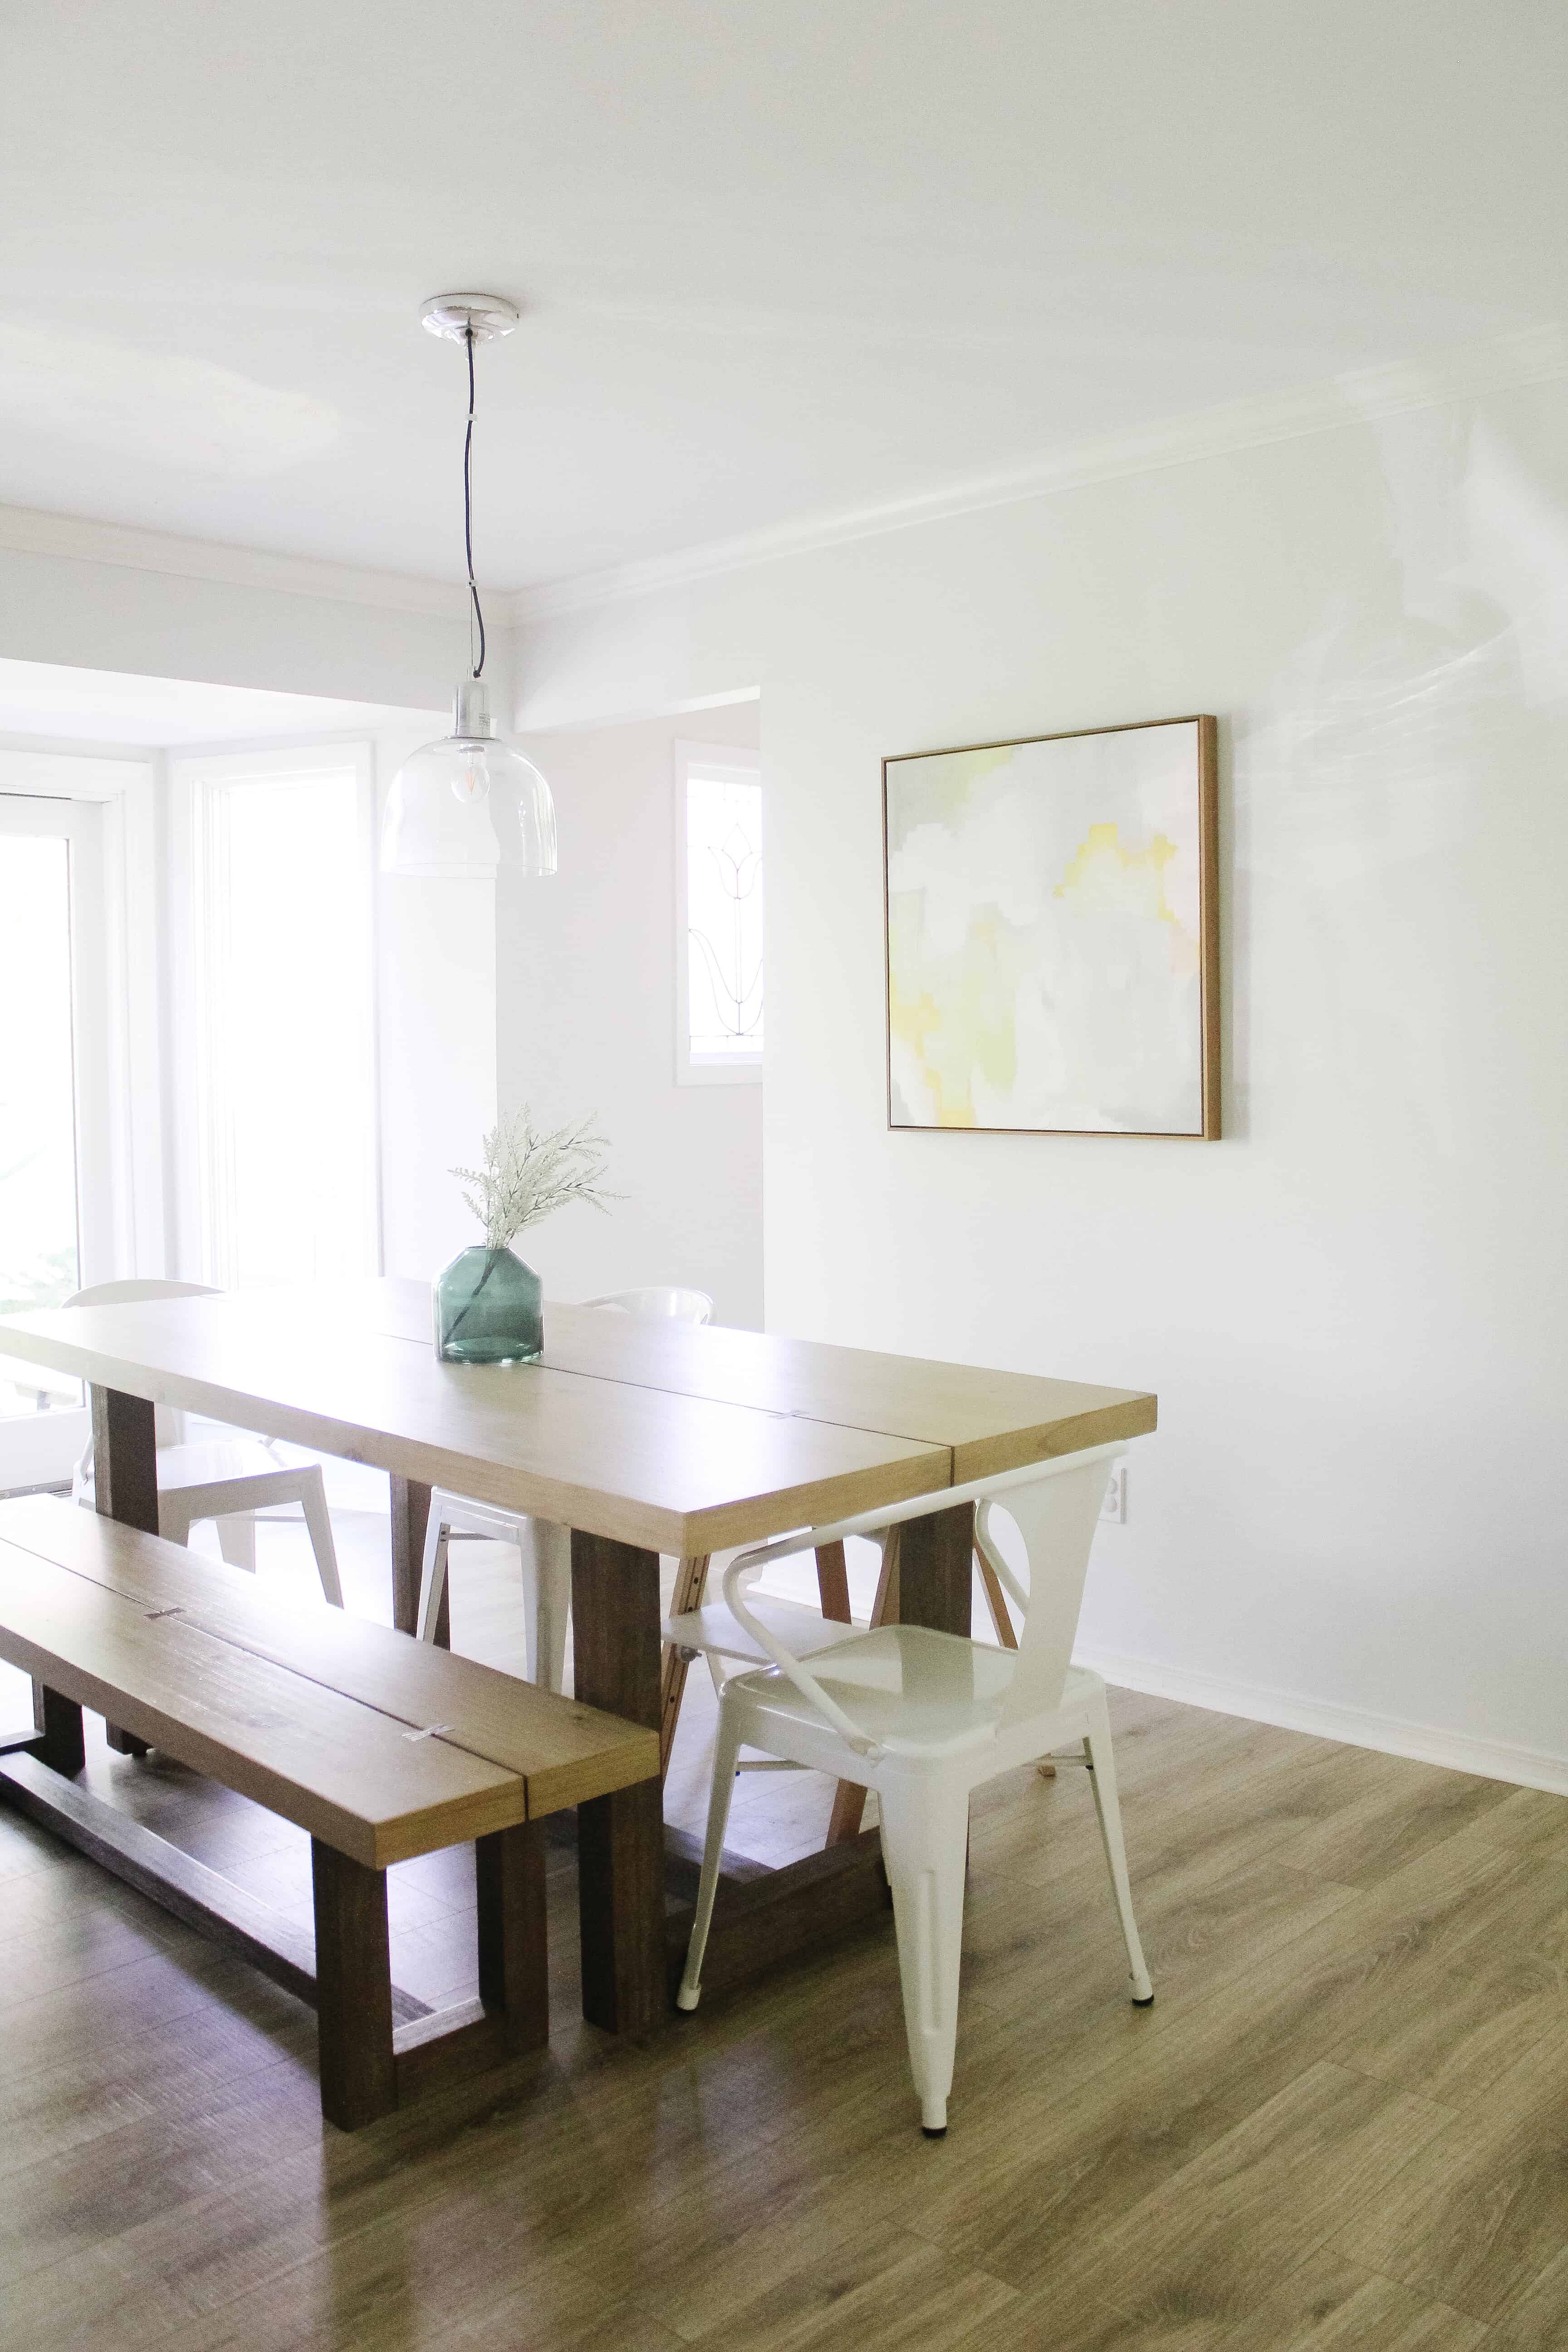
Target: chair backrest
(1055, 1517)
(169, 1422)
(659, 1300)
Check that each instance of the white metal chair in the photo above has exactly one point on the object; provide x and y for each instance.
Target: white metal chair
(228, 1479)
(659, 1301)
(711, 1631)
(544, 1548)
(923, 1718)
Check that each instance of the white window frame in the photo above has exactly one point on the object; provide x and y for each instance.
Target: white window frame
(106, 810)
(730, 763)
(188, 773)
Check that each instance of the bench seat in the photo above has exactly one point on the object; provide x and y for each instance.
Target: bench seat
(380, 1747)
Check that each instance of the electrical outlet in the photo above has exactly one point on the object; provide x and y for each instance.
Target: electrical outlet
(1115, 1503)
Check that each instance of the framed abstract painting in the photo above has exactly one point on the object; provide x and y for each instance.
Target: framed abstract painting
(1053, 936)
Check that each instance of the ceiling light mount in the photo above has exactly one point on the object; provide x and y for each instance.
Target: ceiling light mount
(486, 317)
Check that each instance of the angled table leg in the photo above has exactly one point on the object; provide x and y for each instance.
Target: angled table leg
(124, 1486)
(690, 1582)
(620, 1839)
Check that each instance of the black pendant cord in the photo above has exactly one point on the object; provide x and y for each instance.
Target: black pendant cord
(469, 515)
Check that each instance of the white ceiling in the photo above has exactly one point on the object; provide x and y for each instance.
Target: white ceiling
(778, 261)
(97, 705)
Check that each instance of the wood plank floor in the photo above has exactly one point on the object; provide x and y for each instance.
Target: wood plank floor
(1343, 2124)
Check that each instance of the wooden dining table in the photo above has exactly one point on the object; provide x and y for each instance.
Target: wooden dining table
(643, 1438)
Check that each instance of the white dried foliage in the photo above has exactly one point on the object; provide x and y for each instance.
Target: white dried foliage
(527, 1176)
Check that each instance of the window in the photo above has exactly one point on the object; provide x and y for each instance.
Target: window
(65, 984)
(719, 915)
(280, 1128)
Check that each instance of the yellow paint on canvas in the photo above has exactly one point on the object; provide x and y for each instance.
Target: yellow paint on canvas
(1104, 876)
(974, 1027)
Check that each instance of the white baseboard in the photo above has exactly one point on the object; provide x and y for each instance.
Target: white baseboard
(1493, 1759)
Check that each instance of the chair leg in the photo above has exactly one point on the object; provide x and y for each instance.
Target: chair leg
(174, 1523)
(432, 1576)
(237, 1541)
(925, 1839)
(1102, 1779)
(548, 1601)
(848, 1809)
(726, 1753)
(318, 1519)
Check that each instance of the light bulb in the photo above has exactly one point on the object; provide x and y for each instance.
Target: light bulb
(470, 782)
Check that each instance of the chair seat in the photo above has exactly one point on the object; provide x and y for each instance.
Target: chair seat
(212, 1463)
(804, 1632)
(471, 1518)
(915, 1692)
(212, 1460)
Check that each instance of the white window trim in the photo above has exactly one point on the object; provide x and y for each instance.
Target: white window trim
(188, 770)
(129, 1235)
(733, 763)
(117, 1072)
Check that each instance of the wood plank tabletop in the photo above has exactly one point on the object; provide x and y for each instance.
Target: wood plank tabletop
(563, 1751)
(676, 1438)
(990, 1421)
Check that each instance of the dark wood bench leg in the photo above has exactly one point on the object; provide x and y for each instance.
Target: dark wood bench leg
(353, 1989)
(125, 1488)
(57, 1722)
(514, 1967)
(620, 1839)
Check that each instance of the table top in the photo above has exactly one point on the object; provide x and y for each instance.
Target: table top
(680, 1438)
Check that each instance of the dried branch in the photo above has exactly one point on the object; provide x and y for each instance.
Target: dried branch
(527, 1175)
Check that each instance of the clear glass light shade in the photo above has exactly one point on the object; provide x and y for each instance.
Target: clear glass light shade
(469, 805)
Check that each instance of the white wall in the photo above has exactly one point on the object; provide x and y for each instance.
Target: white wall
(436, 1010)
(329, 632)
(585, 1021)
(1354, 1515)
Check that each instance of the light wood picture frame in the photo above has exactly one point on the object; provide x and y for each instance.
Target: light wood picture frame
(1051, 933)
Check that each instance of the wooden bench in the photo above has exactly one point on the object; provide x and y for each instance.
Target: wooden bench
(380, 1747)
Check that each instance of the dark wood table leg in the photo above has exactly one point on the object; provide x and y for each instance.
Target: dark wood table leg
(936, 1568)
(514, 1969)
(620, 1839)
(353, 1989)
(410, 1518)
(124, 1486)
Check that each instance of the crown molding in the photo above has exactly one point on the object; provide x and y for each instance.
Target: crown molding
(26, 530)
(1536, 355)
(1507, 363)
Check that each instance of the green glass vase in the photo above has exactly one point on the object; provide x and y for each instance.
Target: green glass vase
(489, 1309)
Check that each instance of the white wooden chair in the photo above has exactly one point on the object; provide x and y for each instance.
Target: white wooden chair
(923, 1718)
(225, 1479)
(545, 1549)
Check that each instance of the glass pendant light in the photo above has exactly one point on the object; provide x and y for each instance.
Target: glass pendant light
(468, 805)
